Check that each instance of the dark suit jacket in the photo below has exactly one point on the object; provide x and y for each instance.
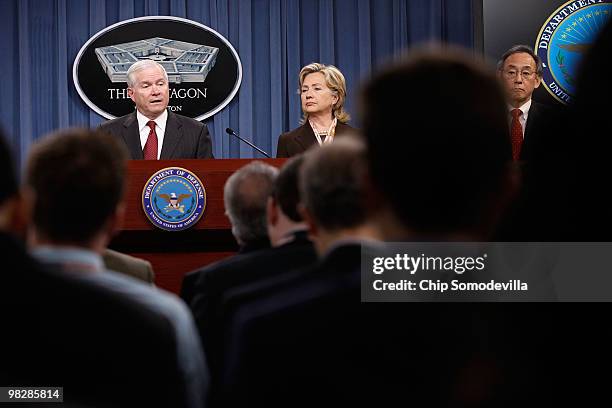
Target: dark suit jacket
(218, 279)
(539, 132)
(66, 331)
(184, 138)
(188, 287)
(310, 339)
(535, 213)
(292, 337)
(301, 139)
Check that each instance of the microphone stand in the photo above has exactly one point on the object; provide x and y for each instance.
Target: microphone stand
(231, 132)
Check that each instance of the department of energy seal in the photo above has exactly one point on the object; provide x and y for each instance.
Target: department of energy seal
(563, 40)
(174, 199)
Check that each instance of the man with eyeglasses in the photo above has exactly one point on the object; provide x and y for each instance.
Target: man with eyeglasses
(520, 72)
(538, 144)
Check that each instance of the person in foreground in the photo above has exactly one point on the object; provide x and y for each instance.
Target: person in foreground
(245, 195)
(443, 176)
(151, 132)
(291, 249)
(292, 334)
(74, 185)
(323, 93)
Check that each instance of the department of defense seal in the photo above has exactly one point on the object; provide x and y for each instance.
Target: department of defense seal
(174, 199)
(563, 40)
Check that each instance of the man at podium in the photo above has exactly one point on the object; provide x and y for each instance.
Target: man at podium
(151, 132)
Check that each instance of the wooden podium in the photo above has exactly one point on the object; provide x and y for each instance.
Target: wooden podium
(174, 253)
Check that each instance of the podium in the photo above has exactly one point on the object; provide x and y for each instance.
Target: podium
(174, 253)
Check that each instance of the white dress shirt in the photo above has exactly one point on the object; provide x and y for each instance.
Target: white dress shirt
(160, 129)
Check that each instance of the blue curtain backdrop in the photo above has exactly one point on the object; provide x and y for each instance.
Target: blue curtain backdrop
(274, 38)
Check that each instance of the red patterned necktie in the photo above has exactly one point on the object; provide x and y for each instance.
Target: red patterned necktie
(150, 148)
(516, 132)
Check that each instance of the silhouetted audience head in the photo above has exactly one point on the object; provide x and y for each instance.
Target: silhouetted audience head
(94, 331)
(246, 195)
(77, 179)
(286, 191)
(440, 157)
(591, 98)
(283, 213)
(12, 218)
(333, 189)
(8, 184)
(594, 81)
(589, 144)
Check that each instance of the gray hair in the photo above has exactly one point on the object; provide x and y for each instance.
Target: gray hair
(139, 66)
(245, 195)
(515, 49)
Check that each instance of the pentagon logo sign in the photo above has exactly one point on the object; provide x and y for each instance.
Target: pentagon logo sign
(183, 62)
(563, 41)
(203, 68)
(174, 199)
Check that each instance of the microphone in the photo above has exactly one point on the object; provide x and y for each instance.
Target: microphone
(230, 131)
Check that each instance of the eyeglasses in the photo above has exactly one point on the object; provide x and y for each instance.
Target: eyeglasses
(511, 74)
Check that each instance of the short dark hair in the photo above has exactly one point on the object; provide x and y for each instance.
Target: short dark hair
(515, 49)
(8, 178)
(78, 179)
(286, 190)
(332, 184)
(439, 164)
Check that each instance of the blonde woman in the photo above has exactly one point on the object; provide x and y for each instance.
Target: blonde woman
(322, 92)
